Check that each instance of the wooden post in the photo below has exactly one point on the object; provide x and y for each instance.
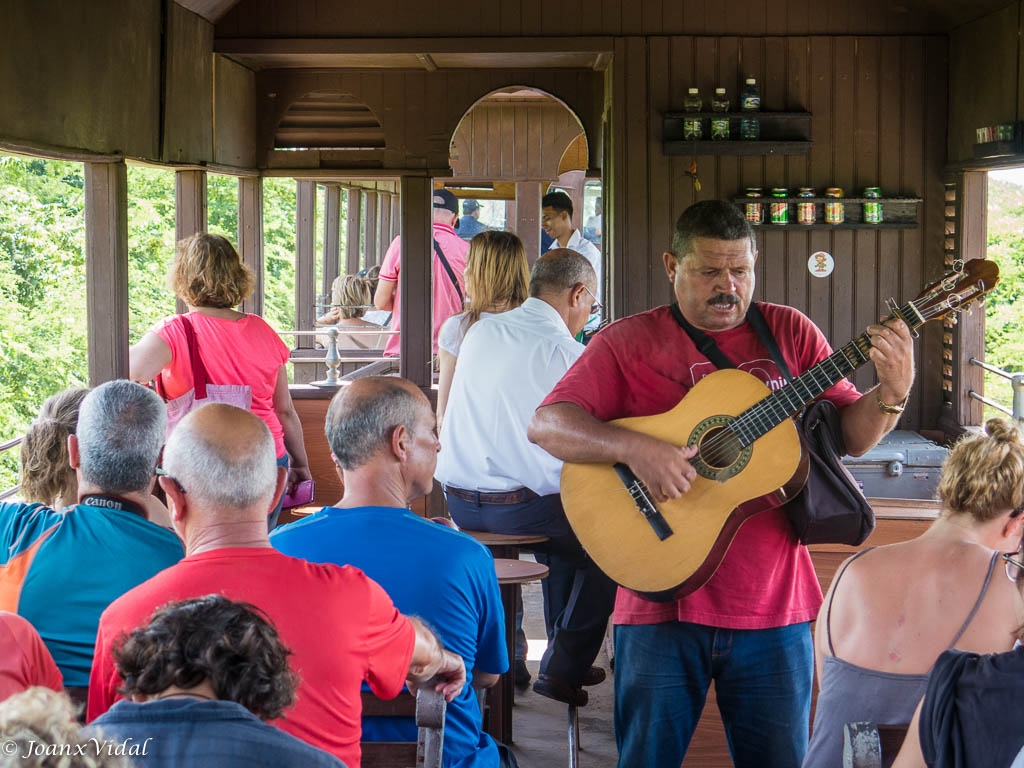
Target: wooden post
(384, 227)
(332, 232)
(106, 270)
(414, 281)
(355, 207)
(528, 217)
(189, 208)
(396, 217)
(305, 273)
(370, 228)
(969, 334)
(250, 237)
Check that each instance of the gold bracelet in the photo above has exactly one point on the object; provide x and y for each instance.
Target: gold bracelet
(884, 407)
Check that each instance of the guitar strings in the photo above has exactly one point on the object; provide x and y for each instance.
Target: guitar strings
(722, 447)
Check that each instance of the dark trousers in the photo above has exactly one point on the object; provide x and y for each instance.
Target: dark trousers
(578, 597)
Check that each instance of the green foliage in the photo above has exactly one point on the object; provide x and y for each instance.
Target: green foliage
(1004, 307)
(42, 291)
(42, 272)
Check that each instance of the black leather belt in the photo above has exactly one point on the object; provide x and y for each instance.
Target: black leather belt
(518, 496)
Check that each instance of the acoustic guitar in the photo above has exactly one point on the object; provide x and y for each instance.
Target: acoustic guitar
(748, 457)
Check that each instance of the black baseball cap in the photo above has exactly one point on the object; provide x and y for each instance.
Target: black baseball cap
(445, 199)
(468, 206)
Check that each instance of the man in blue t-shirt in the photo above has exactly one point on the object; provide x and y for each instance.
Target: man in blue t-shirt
(60, 570)
(383, 438)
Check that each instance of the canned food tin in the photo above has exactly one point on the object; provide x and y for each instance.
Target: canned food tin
(835, 213)
(780, 208)
(805, 213)
(754, 209)
(873, 211)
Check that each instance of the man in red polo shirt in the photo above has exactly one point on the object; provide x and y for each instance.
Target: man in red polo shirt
(221, 479)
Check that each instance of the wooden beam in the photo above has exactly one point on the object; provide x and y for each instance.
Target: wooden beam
(305, 272)
(355, 207)
(189, 209)
(528, 195)
(250, 238)
(106, 270)
(370, 228)
(291, 46)
(332, 236)
(414, 281)
(384, 229)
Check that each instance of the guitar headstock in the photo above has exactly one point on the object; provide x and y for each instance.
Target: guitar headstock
(958, 290)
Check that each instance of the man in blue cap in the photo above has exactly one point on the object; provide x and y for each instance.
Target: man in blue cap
(469, 224)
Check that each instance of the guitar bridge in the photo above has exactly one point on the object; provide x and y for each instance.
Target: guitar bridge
(642, 498)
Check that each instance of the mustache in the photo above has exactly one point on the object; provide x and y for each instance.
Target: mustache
(724, 298)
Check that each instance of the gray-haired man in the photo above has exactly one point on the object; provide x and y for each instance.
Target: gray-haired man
(61, 569)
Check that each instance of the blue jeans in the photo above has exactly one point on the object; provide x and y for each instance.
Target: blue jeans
(762, 684)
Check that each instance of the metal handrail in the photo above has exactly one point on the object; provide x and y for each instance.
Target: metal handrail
(1016, 382)
(6, 447)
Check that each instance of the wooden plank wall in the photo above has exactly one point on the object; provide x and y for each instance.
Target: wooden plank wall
(419, 111)
(985, 82)
(514, 141)
(878, 120)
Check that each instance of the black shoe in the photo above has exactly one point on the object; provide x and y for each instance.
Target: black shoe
(593, 676)
(559, 690)
(521, 674)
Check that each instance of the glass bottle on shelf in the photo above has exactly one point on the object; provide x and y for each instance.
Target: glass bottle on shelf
(692, 129)
(720, 125)
(750, 101)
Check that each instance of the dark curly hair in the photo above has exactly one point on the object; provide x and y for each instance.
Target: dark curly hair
(232, 645)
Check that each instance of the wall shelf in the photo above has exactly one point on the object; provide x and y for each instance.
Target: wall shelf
(782, 133)
(897, 212)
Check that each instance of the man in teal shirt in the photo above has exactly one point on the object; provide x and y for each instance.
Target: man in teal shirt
(60, 570)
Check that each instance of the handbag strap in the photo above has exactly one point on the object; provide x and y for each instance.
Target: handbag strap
(448, 269)
(198, 369)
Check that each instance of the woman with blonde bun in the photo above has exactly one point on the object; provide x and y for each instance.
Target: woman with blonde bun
(892, 610)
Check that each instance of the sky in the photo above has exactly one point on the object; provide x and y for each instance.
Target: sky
(1012, 175)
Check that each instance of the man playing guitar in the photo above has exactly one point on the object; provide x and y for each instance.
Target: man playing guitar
(747, 628)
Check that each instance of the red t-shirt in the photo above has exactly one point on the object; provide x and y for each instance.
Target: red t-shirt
(341, 627)
(644, 365)
(243, 351)
(24, 658)
(446, 301)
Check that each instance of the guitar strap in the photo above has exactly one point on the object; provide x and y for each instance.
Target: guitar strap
(707, 346)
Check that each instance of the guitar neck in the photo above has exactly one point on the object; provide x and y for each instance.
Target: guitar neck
(782, 404)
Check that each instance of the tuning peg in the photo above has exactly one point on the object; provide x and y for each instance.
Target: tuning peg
(958, 265)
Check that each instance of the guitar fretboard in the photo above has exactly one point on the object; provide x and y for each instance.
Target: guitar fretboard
(765, 415)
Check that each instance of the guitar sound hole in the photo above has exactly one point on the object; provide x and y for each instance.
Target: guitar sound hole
(719, 448)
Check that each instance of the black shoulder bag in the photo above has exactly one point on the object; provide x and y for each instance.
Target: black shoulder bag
(448, 269)
(830, 508)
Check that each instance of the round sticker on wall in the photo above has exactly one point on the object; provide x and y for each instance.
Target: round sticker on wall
(821, 264)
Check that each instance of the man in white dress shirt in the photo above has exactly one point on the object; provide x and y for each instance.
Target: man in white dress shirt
(556, 220)
(496, 480)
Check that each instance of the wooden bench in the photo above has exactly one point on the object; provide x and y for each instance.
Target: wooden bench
(429, 709)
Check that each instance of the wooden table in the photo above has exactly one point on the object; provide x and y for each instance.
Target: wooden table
(511, 573)
(505, 545)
